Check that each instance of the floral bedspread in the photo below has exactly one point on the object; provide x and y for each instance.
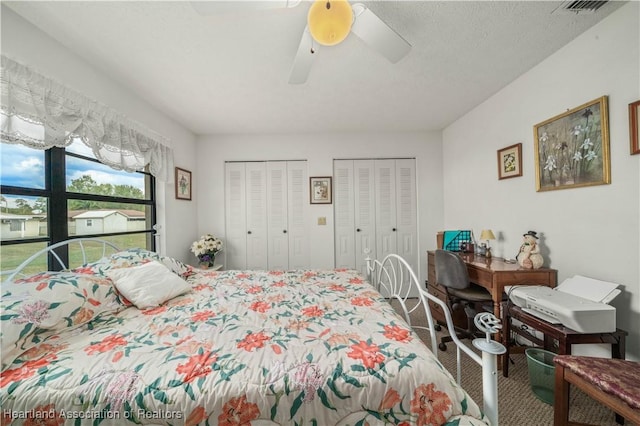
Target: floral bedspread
(243, 347)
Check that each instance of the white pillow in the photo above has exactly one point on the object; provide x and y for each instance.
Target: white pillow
(148, 285)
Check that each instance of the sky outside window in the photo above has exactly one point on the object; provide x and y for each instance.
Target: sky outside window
(22, 166)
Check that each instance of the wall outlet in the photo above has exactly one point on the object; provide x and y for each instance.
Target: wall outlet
(322, 221)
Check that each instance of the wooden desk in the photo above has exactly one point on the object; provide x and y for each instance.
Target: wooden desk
(565, 336)
(493, 274)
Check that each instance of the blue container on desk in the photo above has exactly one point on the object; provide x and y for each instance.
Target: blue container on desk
(541, 373)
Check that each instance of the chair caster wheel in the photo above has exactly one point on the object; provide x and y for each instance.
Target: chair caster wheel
(442, 347)
(438, 327)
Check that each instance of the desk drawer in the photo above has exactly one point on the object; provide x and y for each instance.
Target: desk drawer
(437, 313)
(436, 310)
(459, 317)
(437, 291)
(527, 277)
(483, 278)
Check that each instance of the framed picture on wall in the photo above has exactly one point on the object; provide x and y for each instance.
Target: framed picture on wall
(320, 190)
(183, 184)
(572, 149)
(634, 127)
(510, 161)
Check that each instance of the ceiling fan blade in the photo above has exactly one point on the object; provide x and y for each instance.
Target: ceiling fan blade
(304, 59)
(220, 7)
(378, 35)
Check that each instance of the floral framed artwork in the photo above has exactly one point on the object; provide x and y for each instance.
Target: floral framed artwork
(320, 190)
(183, 184)
(572, 149)
(510, 161)
(634, 127)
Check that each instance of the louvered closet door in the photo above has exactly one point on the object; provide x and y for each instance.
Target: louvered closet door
(278, 240)
(235, 250)
(407, 211)
(256, 215)
(375, 209)
(365, 212)
(344, 214)
(298, 202)
(385, 207)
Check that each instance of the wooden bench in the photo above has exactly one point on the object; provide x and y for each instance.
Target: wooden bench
(612, 382)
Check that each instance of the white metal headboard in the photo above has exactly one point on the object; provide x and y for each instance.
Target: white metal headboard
(83, 243)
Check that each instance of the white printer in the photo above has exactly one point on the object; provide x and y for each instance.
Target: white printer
(579, 303)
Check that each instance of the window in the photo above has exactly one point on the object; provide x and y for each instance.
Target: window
(50, 196)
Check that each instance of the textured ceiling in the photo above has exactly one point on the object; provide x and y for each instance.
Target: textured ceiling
(228, 73)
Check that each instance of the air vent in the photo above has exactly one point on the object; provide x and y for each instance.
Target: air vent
(580, 6)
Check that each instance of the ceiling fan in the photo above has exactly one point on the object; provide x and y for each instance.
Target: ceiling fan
(329, 22)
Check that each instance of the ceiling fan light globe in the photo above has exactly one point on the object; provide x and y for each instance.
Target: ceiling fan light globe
(330, 25)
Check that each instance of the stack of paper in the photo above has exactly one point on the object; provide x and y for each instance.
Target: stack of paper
(590, 288)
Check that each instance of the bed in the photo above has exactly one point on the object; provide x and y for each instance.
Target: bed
(95, 345)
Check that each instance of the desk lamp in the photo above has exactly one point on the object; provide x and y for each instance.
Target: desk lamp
(487, 234)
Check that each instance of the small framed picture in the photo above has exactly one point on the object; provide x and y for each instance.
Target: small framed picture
(510, 161)
(320, 190)
(183, 184)
(634, 127)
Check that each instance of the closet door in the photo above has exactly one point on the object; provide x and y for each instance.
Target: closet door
(364, 209)
(277, 203)
(235, 250)
(298, 201)
(385, 207)
(256, 215)
(344, 214)
(406, 212)
(375, 211)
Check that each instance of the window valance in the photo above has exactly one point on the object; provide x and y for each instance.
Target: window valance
(42, 113)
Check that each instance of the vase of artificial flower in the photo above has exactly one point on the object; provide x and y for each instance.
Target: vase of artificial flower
(205, 250)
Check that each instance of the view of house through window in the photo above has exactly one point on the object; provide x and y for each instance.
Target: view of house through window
(40, 205)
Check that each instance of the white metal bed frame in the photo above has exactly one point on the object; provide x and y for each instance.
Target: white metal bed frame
(83, 243)
(394, 275)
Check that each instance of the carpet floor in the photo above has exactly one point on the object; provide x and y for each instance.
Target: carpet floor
(517, 404)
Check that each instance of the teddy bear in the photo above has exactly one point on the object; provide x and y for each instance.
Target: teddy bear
(529, 256)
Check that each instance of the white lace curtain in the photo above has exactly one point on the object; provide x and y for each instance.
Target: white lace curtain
(42, 113)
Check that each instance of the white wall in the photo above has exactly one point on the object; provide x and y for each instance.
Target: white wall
(28, 45)
(320, 150)
(592, 231)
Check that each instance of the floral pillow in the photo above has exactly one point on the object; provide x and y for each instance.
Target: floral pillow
(50, 301)
(177, 267)
(134, 257)
(121, 259)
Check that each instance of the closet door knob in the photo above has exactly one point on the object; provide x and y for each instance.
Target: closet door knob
(248, 232)
(284, 231)
(394, 229)
(357, 229)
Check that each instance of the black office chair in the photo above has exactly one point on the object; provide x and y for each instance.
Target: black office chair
(451, 273)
